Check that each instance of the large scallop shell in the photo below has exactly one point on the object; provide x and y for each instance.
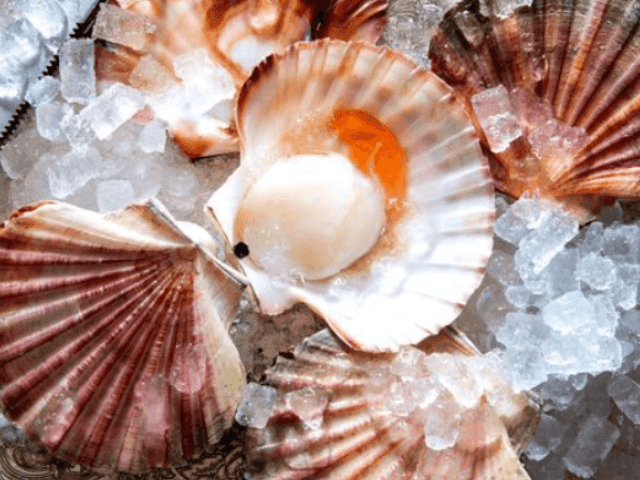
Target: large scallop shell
(341, 414)
(559, 80)
(236, 35)
(431, 254)
(113, 342)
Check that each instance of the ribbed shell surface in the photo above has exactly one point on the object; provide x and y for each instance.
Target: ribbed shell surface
(358, 437)
(113, 335)
(576, 62)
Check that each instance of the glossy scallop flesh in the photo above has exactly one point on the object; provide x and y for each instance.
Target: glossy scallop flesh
(113, 335)
(361, 192)
(555, 88)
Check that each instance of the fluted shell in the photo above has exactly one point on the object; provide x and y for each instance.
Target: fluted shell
(233, 36)
(564, 78)
(375, 172)
(365, 416)
(113, 335)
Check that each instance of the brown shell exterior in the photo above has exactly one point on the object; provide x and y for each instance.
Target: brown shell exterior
(580, 61)
(113, 343)
(359, 440)
(186, 25)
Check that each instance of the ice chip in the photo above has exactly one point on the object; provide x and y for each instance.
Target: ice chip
(153, 137)
(78, 131)
(598, 272)
(606, 314)
(621, 243)
(626, 395)
(594, 442)
(590, 239)
(569, 314)
(48, 119)
(71, 171)
(308, 404)
(114, 194)
(117, 104)
(77, 77)
(441, 428)
(497, 118)
(548, 437)
(560, 274)
(518, 296)
(256, 405)
(49, 18)
(123, 27)
(502, 268)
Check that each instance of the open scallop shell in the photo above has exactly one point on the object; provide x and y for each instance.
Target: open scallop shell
(236, 36)
(564, 77)
(341, 414)
(113, 341)
(430, 256)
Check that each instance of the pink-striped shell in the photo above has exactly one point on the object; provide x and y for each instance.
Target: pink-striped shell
(113, 343)
(362, 430)
(564, 76)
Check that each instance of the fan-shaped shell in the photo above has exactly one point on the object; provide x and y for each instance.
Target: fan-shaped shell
(439, 200)
(113, 342)
(236, 35)
(371, 423)
(565, 76)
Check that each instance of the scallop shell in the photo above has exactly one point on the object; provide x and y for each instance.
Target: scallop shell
(113, 342)
(566, 73)
(236, 36)
(431, 254)
(361, 419)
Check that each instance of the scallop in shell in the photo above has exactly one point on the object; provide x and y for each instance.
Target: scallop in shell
(113, 342)
(440, 411)
(213, 46)
(361, 191)
(555, 88)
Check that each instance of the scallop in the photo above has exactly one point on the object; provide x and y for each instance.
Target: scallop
(555, 92)
(113, 335)
(422, 413)
(361, 192)
(200, 52)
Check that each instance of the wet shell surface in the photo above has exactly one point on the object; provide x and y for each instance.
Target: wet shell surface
(555, 89)
(341, 414)
(361, 192)
(209, 48)
(113, 335)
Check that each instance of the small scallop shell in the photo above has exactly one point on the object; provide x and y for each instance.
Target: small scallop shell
(113, 342)
(236, 35)
(406, 141)
(566, 75)
(340, 414)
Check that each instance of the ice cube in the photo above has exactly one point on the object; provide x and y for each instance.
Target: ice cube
(560, 274)
(308, 404)
(151, 76)
(153, 137)
(594, 442)
(548, 437)
(621, 243)
(49, 117)
(114, 194)
(256, 405)
(518, 295)
(42, 91)
(569, 314)
(606, 314)
(597, 272)
(78, 131)
(123, 27)
(557, 392)
(497, 118)
(590, 239)
(77, 77)
(501, 267)
(49, 18)
(204, 78)
(442, 425)
(626, 394)
(71, 171)
(117, 104)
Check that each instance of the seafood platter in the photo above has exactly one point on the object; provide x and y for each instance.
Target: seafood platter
(337, 239)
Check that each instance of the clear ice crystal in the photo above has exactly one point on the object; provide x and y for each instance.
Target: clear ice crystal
(626, 394)
(594, 442)
(497, 118)
(114, 194)
(621, 243)
(548, 437)
(256, 405)
(49, 117)
(70, 172)
(77, 75)
(308, 404)
(42, 91)
(123, 27)
(49, 18)
(153, 137)
(117, 104)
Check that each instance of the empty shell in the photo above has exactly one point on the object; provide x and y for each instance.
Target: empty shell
(113, 335)
(440, 411)
(361, 192)
(212, 47)
(556, 95)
